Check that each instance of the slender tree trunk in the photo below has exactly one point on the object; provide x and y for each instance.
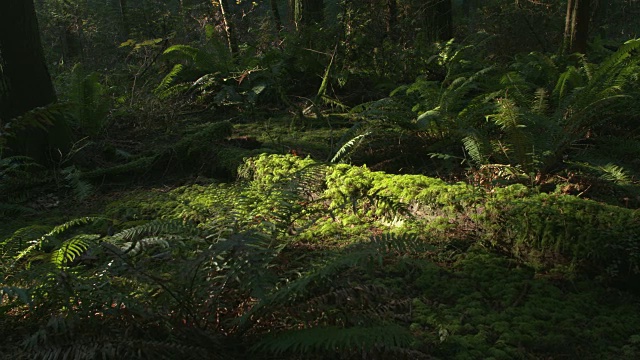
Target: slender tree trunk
(576, 28)
(229, 29)
(24, 72)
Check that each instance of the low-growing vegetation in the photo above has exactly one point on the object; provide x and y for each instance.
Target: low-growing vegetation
(314, 179)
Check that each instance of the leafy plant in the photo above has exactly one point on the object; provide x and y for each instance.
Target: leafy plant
(89, 102)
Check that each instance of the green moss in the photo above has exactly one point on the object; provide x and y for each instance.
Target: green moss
(201, 138)
(548, 230)
(487, 306)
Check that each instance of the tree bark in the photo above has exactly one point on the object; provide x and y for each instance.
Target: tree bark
(25, 77)
(229, 29)
(576, 28)
(24, 69)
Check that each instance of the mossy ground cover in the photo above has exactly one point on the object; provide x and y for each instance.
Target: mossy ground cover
(333, 261)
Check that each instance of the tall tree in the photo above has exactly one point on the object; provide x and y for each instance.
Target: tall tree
(23, 65)
(25, 77)
(576, 28)
(26, 84)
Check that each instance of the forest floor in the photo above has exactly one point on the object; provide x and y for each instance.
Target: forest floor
(452, 278)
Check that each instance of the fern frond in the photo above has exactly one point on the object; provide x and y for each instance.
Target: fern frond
(183, 52)
(405, 244)
(157, 227)
(614, 173)
(541, 101)
(81, 188)
(72, 248)
(349, 145)
(163, 241)
(619, 58)
(476, 149)
(428, 120)
(19, 175)
(206, 82)
(168, 80)
(89, 105)
(335, 340)
(14, 209)
(40, 117)
(568, 80)
(56, 231)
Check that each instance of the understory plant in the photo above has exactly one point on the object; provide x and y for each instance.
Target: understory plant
(304, 259)
(215, 273)
(526, 122)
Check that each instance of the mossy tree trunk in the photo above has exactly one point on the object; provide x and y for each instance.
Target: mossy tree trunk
(576, 28)
(24, 73)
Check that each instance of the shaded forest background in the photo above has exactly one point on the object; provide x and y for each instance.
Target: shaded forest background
(319, 179)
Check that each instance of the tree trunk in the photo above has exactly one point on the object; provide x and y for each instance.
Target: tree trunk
(24, 72)
(295, 12)
(229, 29)
(24, 67)
(576, 28)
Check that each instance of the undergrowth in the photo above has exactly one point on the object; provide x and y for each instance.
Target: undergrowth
(303, 259)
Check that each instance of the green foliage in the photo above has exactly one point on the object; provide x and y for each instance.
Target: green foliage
(87, 96)
(46, 118)
(214, 256)
(209, 75)
(18, 176)
(232, 264)
(526, 119)
(302, 259)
